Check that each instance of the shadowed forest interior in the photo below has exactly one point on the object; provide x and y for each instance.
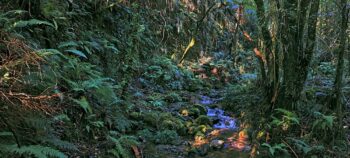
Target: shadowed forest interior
(174, 78)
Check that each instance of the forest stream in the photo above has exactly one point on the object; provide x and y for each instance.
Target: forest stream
(225, 140)
(174, 79)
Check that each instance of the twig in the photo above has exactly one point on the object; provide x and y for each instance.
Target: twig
(295, 154)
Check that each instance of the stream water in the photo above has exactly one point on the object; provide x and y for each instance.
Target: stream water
(223, 121)
(226, 134)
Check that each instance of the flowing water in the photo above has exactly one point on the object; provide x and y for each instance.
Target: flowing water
(226, 132)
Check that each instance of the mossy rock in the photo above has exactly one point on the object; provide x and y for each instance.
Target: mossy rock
(197, 130)
(192, 112)
(172, 123)
(203, 120)
(201, 108)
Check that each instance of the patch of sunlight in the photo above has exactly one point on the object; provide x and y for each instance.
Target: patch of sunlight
(184, 112)
(199, 141)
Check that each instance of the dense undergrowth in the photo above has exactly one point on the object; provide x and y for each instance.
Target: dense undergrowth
(74, 80)
(99, 78)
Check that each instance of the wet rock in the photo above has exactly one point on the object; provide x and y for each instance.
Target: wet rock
(217, 144)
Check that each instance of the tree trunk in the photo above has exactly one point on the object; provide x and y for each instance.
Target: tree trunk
(298, 41)
(271, 84)
(340, 65)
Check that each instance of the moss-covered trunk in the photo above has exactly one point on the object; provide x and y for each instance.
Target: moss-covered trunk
(297, 31)
(340, 66)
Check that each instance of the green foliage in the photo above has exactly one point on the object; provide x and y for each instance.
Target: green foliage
(323, 122)
(203, 120)
(122, 146)
(32, 22)
(323, 126)
(275, 149)
(288, 119)
(84, 104)
(77, 52)
(162, 71)
(306, 149)
(37, 151)
(166, 137)
(326, 68)
(173, 97)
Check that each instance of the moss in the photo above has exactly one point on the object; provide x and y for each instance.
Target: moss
(199, 130)
(172, 123)
(194, 112)
(201, 108)
(53, 8)
(203, 120)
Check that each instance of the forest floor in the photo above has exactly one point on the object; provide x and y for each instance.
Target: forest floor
(212, 131)
(220, 131)
(225, 138)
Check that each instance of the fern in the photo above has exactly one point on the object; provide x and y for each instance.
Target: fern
(68, 44)
(37, 151)
(84, 104)
(288, 118)
(50, 52)
(31, 22)
(122, 146)
(76, 52)
(61, 144)
(275, 148)
(324, 121)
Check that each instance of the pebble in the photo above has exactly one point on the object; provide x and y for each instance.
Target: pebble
(217, 144)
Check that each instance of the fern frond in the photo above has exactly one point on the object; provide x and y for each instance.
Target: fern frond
(37, 151)
(122, 145)
(61, 144)
(68, 44)
(31, 22)
(14, 12)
